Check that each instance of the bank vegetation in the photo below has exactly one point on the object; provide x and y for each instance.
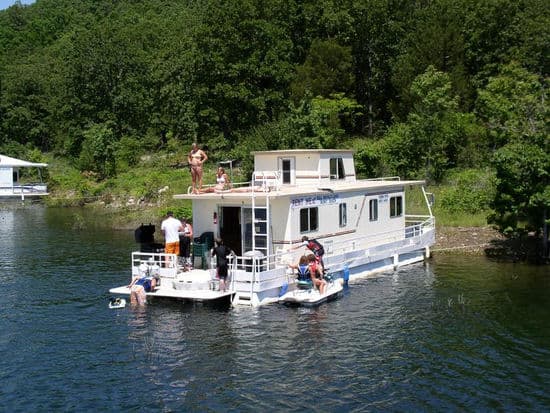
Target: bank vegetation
(112, 94)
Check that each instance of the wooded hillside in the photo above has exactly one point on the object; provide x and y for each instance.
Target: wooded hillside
(428, 88)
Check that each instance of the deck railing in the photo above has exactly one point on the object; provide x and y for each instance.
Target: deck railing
(415, 227)
(254, 271)
(28, 188)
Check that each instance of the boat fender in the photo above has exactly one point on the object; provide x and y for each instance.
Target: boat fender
(284, 289)
(346, 275)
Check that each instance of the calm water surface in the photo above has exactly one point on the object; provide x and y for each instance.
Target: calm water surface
(457, 334)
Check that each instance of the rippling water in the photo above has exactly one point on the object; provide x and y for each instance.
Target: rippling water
(456, 334)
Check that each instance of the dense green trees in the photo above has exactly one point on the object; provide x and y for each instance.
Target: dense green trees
(418, 88)
(514, 108)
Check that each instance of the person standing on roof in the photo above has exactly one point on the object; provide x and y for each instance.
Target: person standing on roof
(196, 158)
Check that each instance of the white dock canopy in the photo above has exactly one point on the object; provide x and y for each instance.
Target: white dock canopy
(10, 185)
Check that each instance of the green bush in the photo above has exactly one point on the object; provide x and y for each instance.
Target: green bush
(468, 191)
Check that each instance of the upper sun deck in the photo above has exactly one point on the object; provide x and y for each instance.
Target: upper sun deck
(303, 172)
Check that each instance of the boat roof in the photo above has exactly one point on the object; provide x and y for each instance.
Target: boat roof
(13, 162)
(300, 151)
(370, 185)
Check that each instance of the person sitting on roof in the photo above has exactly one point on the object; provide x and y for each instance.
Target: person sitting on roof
(223, 183)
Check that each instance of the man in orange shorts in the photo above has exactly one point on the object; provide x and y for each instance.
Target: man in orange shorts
(171, 227)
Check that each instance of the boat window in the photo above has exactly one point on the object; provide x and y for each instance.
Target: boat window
(343, 215)
(396, 206)
(373, 210)
(309, 219)
(337, 168)
(287, 168)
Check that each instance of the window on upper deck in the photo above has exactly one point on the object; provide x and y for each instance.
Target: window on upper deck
(337, 168)
(286, 167)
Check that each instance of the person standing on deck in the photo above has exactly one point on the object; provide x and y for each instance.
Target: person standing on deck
(171, 227)
(185, 242)
(196, 158)
(220, 251)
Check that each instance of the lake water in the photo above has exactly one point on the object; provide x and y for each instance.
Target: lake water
(456, 334)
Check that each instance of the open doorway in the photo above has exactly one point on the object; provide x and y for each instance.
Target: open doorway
(230, 228)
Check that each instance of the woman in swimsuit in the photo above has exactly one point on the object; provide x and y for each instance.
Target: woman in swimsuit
(196, 158)
(223, 183)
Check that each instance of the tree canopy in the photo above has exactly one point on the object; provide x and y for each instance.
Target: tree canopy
(417, 88)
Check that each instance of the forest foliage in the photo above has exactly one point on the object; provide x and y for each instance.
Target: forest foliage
(443, 90)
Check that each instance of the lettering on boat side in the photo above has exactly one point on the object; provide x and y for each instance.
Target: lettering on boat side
(314, 200)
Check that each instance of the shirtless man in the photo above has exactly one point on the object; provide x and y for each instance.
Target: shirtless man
(196, 158)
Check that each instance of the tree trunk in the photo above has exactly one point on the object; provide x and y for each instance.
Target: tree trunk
(545, 250)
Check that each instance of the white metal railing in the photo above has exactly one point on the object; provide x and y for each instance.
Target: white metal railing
(267, 179)
(256, 272)
(384, 178)
(167, 263)
(30, 188)
(415, 226)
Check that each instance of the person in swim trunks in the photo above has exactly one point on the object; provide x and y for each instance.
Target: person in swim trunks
(196, 158)
(220, 251)
(171, 227)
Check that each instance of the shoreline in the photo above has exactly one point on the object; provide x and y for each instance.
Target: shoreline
(487, 241)
(466, 240)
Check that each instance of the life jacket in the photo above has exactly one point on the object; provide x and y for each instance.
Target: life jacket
(315, 247)
(303, 272)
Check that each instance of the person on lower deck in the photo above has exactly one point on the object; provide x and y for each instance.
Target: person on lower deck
(144, 281)
(185, 243)
(171, 227)
(221, 252)
(316, 274)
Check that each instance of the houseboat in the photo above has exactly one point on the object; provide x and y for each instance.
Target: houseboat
(11, 185)
(361, 223)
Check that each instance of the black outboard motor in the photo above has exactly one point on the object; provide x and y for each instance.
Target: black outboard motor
(145, 236)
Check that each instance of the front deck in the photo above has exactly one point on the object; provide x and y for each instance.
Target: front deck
(193, 295)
